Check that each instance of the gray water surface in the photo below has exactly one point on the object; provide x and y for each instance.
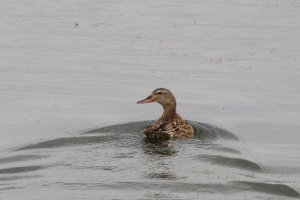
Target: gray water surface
(116, 162)
(70, 67)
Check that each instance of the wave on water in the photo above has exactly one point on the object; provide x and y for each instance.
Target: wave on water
(203, 132)
(13, 170)
(120, 155)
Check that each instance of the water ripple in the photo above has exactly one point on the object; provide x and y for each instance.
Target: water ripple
(13, 170)
(118, 159)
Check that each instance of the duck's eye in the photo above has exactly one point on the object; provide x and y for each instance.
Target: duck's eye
(159, 93)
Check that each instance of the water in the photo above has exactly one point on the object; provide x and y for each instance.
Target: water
(116, 162)
(68, 68)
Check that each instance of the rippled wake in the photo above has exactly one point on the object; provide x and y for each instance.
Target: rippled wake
(115, 162)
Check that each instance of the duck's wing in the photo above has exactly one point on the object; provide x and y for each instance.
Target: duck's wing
(178, 128)
(156, 126)
(184, 129)
(160, 131)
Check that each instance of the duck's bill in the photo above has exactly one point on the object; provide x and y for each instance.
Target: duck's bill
(147, 100)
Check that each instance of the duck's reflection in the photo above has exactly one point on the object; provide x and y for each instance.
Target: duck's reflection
(162, 175)
(159, 156)
(158, 148)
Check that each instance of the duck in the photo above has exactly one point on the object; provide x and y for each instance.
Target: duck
(170, 125)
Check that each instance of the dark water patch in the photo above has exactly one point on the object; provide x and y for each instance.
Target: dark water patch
(13, 170)
(159, 149)
(19, 158)
(209, 132)
(12, 178)
(122, 155)
(9, 188)
(71, 141)
(105, 168)
(232, 162)
(162, 175)
(161, 196)
(276, 189)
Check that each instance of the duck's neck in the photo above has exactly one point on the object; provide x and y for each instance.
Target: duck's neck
(169, 112)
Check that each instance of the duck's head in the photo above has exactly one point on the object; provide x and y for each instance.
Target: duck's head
(162, 96)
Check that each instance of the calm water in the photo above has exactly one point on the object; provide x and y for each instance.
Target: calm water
(72, 71)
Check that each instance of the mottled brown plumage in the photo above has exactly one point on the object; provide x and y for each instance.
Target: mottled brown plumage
(170, 124)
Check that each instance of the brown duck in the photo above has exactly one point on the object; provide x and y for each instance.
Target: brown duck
(170, 124)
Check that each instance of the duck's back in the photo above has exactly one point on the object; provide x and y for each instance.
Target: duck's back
(174, 128)
(183, 128)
